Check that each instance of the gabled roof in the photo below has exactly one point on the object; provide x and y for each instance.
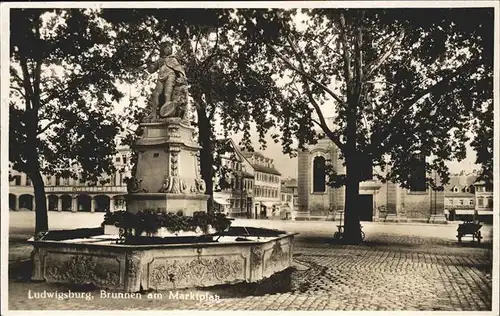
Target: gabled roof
(265, 169)
(285, 189)
(248, 154)
(290, 183)
(258, 167)
(247, 174)
(228, 142)
(450, 194)
(461, 182)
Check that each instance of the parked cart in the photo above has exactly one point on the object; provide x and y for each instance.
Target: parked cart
(339, 234)
(470, 228)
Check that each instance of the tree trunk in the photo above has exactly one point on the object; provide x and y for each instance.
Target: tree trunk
(352, 230)
(42, 221)
(206, 154)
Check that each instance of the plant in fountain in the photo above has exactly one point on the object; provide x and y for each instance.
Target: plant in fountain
(125, 221)
(147, 222)
(150, 222)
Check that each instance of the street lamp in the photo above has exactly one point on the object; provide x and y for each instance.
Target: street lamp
(242, 186)
(432, 157)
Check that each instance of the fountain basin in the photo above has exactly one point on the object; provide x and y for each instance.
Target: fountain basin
(89, 256)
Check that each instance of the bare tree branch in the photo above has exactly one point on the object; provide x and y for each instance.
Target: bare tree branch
(373, 66)
(313, 102)
(358, 62)
(305, 74)
(345, 50)
(28, 89)
(41, 131)
(37, 73)
(322, 121)
(382, 136)
(18, 90)
(196, 49)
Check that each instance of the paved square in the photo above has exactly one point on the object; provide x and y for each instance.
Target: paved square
(399, 267)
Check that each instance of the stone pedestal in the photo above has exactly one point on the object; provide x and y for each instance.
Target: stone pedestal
(438, 219)
(168, 174)
(395, 218)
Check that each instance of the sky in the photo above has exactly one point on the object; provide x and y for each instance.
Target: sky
(288, 166)
(283, 162)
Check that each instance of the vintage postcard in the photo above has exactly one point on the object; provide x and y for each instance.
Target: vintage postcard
(324, 156)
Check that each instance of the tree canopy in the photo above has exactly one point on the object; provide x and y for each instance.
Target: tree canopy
(403, 84)
(62, 88)
(416, 80)
(228, 79)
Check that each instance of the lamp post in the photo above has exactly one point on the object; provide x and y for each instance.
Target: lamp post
(241, 194)
(242, 186)
(433, 212)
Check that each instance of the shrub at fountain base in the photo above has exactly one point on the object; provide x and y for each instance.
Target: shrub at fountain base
(162, 224)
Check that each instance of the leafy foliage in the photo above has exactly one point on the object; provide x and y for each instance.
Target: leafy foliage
(228, 78)
(62, 95)
(397, 83)
(405, 100)
(150, 221)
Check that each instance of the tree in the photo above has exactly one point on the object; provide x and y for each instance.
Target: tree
(403, 83)
(62, 92)
(483, 143)
(227, 78)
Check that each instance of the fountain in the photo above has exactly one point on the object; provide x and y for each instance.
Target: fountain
(167, 181)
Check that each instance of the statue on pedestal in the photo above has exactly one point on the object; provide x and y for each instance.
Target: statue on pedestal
(170, 96)
(167, 153)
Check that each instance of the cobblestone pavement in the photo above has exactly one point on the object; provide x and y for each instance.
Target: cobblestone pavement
(399, 267)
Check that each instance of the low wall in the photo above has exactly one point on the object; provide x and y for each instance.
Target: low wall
(131, 268)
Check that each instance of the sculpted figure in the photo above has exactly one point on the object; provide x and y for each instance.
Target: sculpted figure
(169, 98)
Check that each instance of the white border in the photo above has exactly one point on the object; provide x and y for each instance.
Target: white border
(4, 28)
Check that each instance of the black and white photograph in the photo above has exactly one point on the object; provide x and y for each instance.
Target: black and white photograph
(323, 156)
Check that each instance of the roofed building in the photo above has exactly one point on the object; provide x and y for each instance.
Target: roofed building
(459, 196)
(74, 195)
(267, 185)
(235, 196)
(377, 201)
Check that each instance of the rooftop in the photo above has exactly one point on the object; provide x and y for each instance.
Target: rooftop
(450, 194)
(259, 167)
(285, 189)
(461, 182)
(248, 154)
(290, 183)
(265, 169)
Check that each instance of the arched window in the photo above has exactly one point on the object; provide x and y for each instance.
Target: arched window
(418, 174)
(319, 174)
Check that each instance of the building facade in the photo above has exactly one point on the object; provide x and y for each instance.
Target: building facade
(266, 186)
(377, 201)
(464, 195)
(288, 210)
(236, 198)
(484, 200)
(293, 186)
(254, 189)
(67, 194)
(289, 195)
(459, 196)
